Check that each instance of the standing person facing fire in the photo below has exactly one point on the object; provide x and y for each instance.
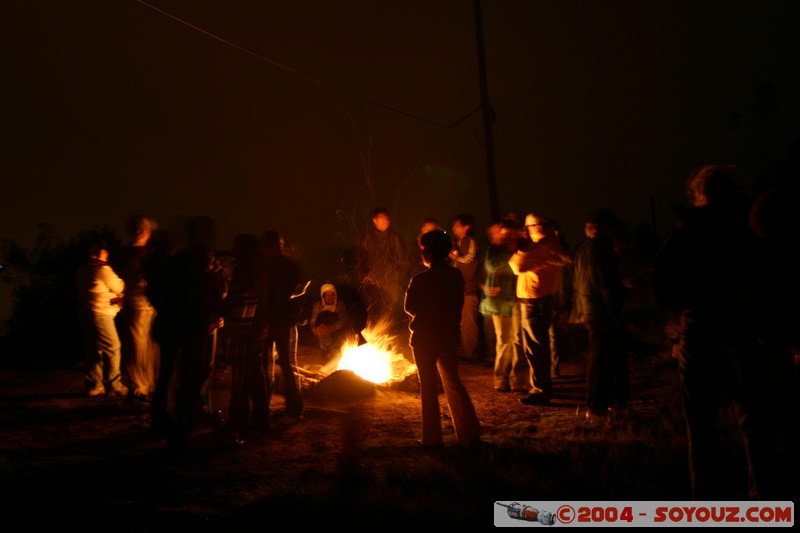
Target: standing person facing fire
(283, 277)
(433, 302)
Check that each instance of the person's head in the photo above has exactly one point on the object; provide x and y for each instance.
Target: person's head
(272, 242)
(537, 226)
(717, 185)
(428, 224)
(513, 216)
(510, 233)
(501, 232)
(381, 219)
(495, 234)
(328, 293)
(590, 229)
(97, 250)
(602, 221)
(463, 226)
(436, 247)
(140, 228)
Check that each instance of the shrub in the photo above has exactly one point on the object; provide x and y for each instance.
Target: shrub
(43, 325)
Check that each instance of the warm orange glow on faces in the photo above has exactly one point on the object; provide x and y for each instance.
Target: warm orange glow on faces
(381, 222)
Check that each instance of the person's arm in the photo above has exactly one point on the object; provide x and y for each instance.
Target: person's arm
(410, 305)
(341, 312)
(314, 314)
(112, 281)
(467, 252)
(520, 262)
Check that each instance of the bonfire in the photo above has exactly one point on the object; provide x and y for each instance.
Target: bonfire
(366, 361)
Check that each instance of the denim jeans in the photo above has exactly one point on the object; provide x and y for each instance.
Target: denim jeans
(536, 317)
(282, 338)
(102, 350)
(511, 367)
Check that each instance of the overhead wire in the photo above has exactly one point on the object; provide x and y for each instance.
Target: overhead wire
(446, 127)
(298, 73)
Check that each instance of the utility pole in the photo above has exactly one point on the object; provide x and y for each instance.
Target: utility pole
(488, 114)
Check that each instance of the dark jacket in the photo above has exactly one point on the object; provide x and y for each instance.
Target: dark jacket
(598, 292)
(433, 301)
(187, 292)
(708, 266)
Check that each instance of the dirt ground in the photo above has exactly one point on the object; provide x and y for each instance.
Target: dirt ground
(69, 461)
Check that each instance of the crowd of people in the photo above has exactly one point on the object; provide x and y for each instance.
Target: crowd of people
(505, 305)
(170, 306)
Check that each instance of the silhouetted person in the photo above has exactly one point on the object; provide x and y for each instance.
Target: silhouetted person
(465, 256)
(283, 276)
(709, 272)
(99, 297)
(187, 289)
(140, 353)
(773, 219)
(557, 333)
(598, 297)
(382, 270)
(434, 300)
(246, 326)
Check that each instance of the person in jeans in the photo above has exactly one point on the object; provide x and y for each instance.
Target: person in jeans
(99, 295)
(537, 264)
(512, 372)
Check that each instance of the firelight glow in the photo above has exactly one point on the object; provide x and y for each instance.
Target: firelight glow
(375, 362)
(369, 362)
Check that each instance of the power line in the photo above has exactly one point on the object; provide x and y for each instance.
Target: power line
(297, 72)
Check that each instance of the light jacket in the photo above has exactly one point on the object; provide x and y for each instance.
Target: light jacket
(97, 285)
(537, 268)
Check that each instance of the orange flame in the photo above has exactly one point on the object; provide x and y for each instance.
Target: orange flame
(375, 361)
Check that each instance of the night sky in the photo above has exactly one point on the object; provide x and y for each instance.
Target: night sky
(312, 112)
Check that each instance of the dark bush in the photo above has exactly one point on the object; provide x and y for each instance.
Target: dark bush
(43, 325)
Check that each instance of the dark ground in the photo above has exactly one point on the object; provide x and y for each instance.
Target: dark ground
(73, 463)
